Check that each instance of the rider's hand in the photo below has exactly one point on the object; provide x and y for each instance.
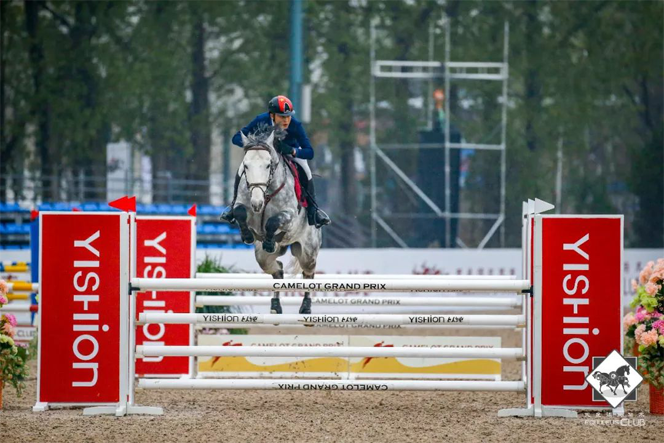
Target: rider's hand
(284, 148)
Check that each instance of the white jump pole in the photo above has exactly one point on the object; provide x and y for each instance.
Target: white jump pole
(200, 326)
(504, 302)
(323, 285)
(231, 275)
(347, 352)
(334, 385)
(14, 307)
(296, 319)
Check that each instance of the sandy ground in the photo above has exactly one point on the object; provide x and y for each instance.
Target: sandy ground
(312, 416)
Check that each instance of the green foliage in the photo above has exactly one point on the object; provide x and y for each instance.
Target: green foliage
(13, 363)
(585, 76)
(212, 265)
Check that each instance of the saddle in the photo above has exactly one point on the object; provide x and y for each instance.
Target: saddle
(301, 198)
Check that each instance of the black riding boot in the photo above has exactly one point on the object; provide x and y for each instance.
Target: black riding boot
(315, 215)
(228, 213)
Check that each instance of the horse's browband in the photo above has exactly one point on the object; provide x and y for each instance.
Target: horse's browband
(258, 147)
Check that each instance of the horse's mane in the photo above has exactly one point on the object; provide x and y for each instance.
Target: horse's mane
(261, 134)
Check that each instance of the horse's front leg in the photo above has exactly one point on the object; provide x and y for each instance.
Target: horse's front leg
(275, 304)
(240, 214)
(273, 224)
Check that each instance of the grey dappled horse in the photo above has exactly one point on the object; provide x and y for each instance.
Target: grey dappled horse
(269, 216)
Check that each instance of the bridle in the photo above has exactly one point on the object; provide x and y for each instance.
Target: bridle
(265, 186)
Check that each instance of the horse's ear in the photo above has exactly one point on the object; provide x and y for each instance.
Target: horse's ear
(270, 139)
(245, 140)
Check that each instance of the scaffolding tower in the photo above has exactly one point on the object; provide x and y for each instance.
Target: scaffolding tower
(430, 70)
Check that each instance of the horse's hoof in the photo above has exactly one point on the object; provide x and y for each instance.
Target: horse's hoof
(269, 246)
(247, 237)
(275, 306)
(305, 308)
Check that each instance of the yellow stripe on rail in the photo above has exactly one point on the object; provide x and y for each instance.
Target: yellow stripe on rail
(22, 286)
(16, 268)
(12, 296)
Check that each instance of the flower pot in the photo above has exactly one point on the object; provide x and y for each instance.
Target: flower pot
(656, 400)
(635, 350)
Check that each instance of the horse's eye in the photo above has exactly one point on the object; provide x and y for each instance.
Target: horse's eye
(267, 167)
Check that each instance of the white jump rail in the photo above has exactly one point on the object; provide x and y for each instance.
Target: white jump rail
(324, 285)
(349, 352)
(488, 302)
(230, 275)
(200, 326)
(15, 307)
(358, 319)
(334, 385)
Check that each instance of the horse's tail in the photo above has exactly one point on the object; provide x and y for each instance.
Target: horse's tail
(293, 267)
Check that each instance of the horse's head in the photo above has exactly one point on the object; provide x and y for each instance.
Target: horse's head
(260, 161)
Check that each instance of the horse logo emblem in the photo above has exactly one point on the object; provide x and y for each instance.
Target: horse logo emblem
(614, 379)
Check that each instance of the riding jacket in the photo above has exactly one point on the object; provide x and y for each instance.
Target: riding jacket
(296, 137)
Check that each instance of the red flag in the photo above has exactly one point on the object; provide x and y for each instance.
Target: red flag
(34, 214)
(192, 211)
(132, 203)
(125, 204)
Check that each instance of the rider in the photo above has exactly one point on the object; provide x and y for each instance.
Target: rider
(296, 144)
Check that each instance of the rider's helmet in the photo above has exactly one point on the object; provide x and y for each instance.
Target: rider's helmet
(280, 105)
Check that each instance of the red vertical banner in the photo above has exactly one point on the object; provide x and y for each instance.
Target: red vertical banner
(83, 289)
(581, 298)
(165, 248)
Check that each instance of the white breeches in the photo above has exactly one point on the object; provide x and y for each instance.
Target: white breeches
(305, 165)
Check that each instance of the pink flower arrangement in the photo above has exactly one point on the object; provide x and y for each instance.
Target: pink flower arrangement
(645, 326)
(648, 338)
(659, 326)
(629, 320)
(11, 318)
(641, 314)
(13, 369)
(652, 272)
(8, 329)
(652, 288)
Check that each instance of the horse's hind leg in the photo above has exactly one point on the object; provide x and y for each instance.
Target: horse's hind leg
(270, 265)
(308, 264)
(305, 307)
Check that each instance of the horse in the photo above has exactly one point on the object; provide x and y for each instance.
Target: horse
(269, 215)
(614, 379)
(604, 379)
(621, 379)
